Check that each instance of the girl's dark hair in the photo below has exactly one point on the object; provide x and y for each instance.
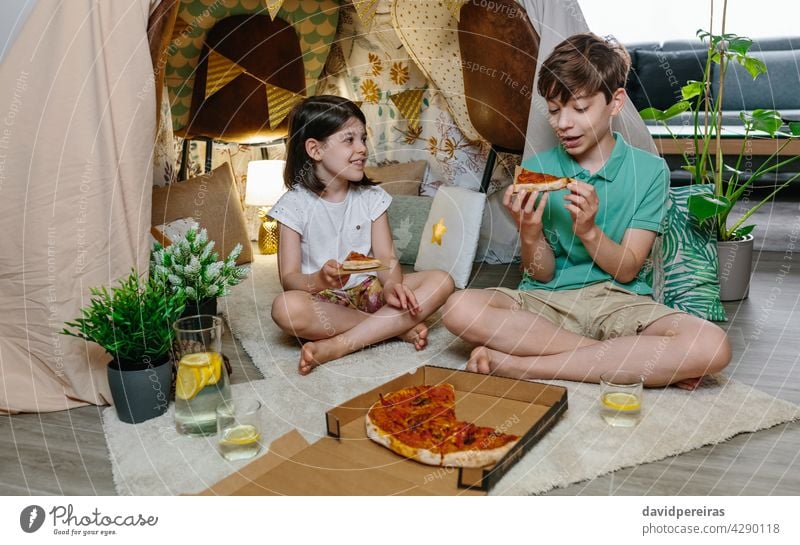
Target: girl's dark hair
(584, 63)
(315, 117)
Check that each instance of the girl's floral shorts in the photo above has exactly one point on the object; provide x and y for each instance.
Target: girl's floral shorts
(366, 296)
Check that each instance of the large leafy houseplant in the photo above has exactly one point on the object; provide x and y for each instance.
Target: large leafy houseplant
(191, 266)
(730, 183)
(131, 321)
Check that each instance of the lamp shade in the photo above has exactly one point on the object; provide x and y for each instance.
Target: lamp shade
(264, 182)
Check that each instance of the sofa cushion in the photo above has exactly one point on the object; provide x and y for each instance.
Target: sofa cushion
(662, 74)
(777, 89)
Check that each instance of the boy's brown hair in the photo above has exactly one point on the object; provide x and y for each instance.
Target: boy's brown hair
(584, 63)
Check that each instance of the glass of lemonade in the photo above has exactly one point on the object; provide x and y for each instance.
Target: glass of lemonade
(202, 381)
(239, 428)
(621, 398)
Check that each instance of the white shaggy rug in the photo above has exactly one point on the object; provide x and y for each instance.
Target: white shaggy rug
(152, 459)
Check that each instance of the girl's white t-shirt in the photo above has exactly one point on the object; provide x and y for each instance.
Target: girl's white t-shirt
(331, 230)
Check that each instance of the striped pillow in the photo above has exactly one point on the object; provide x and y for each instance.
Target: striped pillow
(685, 259)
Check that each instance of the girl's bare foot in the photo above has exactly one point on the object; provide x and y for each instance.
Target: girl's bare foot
(313, 354)
(417, 335)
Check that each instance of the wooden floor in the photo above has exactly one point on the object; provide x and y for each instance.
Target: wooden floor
(65, 452)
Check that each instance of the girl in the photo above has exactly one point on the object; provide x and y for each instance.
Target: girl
(330, 209)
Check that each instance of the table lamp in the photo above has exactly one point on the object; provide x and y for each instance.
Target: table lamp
(264, 188)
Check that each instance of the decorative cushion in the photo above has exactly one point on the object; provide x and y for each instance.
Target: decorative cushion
(399, 178)
(166, 233)
(499, 238)
(662, 74)
(461, 211)
(213, 200)
(685, 259)
(407, 217)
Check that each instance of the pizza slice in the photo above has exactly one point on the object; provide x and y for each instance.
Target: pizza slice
(420, 423)
(357, 262)
(527, 180)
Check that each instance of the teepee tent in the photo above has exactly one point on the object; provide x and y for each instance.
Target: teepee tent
(93, 91)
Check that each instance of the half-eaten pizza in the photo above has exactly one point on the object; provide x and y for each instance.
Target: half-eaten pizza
(527, 180)
(420, 422)
(357, 262)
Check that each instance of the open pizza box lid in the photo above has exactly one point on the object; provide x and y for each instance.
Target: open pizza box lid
(348, 462)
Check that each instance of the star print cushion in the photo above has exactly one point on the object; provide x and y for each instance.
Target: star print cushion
(460, 211)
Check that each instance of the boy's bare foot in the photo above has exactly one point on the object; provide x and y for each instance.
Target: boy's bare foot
(690, 383)
(314, 354)
(417, 335)
(491, 362)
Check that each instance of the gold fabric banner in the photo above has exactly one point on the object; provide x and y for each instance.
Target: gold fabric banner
(273, 6)
(220, 71)
(279, 103)
(454, 7)
(409, 104)
(366, 10)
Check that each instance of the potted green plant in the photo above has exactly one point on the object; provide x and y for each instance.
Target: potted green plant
(191, 266)
(729, 183)
(133, 323)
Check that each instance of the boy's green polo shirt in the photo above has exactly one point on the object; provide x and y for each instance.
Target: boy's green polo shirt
(632, 188)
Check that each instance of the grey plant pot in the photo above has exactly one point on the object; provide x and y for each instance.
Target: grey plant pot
(204, 306)
(142, 394)
(735, 268)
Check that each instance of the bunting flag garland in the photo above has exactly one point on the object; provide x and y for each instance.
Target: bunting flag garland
(409, 104)
(366, 10)
(279, 103)
(273, 6)
(220, 71)
(454, 7)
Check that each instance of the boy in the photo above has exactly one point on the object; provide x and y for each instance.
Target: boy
(582, 307)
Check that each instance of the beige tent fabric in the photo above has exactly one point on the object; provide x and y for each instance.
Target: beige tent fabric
(77, 122)
(555, 21)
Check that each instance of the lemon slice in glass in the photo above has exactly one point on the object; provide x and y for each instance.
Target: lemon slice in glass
(244, 434)
(188, 382)
(622, 401)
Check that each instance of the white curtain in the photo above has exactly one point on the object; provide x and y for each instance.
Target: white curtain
(77, 122)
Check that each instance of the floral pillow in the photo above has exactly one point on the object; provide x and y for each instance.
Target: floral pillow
(685, 259)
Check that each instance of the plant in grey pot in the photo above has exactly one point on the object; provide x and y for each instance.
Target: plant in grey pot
(730, 178)
(191, 266)
(133, 323)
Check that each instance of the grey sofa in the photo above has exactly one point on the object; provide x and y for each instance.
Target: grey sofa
(659, 71)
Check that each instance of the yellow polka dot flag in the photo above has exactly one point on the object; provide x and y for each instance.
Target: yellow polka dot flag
(409, 104)
(279, 103)
(220, 71)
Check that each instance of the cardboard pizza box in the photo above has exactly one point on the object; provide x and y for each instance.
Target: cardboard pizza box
(347, 462)
(527, 409)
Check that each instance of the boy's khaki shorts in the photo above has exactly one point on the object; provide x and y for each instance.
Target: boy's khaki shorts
(600, 311)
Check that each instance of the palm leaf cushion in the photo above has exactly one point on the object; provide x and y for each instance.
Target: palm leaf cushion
(685, 259)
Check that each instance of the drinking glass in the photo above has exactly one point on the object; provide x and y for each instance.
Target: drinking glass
(239, 428)
(621, 398)
(202, 381)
